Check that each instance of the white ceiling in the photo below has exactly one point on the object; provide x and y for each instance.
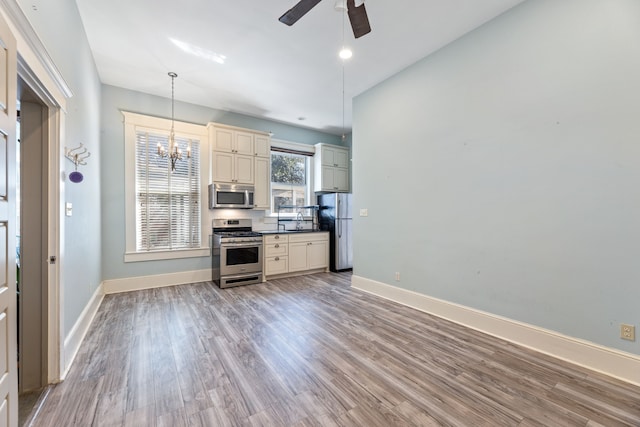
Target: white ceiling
(271, 70)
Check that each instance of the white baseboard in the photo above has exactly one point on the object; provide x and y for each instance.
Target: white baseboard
(76, 335)
(611, 362)
(128, 284)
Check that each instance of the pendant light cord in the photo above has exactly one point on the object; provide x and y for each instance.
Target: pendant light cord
(343, 46)
(172, 135)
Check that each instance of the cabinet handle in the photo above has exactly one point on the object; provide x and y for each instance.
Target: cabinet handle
(309, 244)
(277, 245)
(277, 237)
(277, 258)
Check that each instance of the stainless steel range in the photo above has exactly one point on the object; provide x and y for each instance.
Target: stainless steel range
(237, 253)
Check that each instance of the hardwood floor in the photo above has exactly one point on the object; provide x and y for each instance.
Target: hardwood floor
(311, 351)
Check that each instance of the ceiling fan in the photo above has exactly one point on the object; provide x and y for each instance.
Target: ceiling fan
(357, 15)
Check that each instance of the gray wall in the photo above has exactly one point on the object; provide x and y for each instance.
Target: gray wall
(115, 100)
(502, 172)
(59, 27)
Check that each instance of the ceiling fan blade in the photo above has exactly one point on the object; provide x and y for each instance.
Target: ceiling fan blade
(298, 11)
(358, 18)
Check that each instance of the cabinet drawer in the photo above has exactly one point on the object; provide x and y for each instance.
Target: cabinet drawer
(271, 239)
(276, 265)
(308, 237)
(276, 249)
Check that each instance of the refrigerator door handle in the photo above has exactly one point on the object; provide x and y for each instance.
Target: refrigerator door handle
(339, 228)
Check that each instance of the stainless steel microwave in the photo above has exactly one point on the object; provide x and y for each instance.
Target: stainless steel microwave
(230, 196)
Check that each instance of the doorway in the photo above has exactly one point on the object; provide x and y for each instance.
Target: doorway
(32, 245)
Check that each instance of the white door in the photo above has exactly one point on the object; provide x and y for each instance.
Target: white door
(8, 330)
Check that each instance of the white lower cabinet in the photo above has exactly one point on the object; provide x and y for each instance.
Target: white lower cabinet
(276, 251)
(276, 265)
(295, 253)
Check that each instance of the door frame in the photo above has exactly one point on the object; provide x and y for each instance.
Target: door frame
(38, 71)
(54, 302)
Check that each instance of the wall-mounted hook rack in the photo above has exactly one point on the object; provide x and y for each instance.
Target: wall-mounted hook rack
(78, 156)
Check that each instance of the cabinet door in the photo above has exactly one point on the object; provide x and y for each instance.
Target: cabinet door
(341, 179)
(318, 254)
(341, 158)
(328, 156)
(261, 197)
(276, 265)
(223, 167)
(262, 145)
(328, 178)
(298, 256)
(243, 169)
(223, 140)
(244, 143)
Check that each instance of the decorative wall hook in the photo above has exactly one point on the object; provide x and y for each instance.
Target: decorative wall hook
(78, 156)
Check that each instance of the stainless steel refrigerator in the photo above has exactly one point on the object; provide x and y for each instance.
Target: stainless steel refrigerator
(335, 216)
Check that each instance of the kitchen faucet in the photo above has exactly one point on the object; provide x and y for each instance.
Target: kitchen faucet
(299, 219)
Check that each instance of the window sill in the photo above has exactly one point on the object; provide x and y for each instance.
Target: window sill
(164, 255)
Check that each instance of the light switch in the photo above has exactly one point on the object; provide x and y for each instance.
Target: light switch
(364, 212)
(68, 209)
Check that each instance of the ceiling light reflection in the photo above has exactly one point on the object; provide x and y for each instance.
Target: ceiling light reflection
(199, 51)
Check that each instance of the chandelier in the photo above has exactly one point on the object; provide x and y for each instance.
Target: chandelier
(174, 153)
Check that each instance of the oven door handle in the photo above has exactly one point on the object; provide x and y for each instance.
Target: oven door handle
(240, 245)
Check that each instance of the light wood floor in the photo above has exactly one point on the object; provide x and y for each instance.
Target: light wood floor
(311, 351)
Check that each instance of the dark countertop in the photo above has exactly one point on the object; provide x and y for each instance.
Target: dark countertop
(292, 231)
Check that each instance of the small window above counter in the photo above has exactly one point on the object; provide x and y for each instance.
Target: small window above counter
(298, 218)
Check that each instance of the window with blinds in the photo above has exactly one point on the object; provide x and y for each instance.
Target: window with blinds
(167, 203)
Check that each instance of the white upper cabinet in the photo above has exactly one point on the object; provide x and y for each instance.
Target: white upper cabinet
(334, 156)
(262, 145)
(232, 140)
(331, 168)
(244, 143)
(261, 197)
(242, 156)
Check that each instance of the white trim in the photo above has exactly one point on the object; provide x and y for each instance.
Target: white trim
(73, 341)
(56, 194)
(35, 45)
(291, 145)
(132, 123)
(236, 128)
(129, 284)
(612, 362)
(164, 255)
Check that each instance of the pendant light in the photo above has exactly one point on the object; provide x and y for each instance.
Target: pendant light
(174, 152)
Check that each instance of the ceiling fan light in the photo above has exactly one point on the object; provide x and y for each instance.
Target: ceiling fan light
(345, 53)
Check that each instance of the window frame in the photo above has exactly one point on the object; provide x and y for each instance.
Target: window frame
(134, 123)
(302, 149)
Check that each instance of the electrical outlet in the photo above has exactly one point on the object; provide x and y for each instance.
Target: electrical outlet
(628, 332)
(397, 276)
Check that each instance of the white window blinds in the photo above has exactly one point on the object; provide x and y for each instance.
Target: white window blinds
(167, 203)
